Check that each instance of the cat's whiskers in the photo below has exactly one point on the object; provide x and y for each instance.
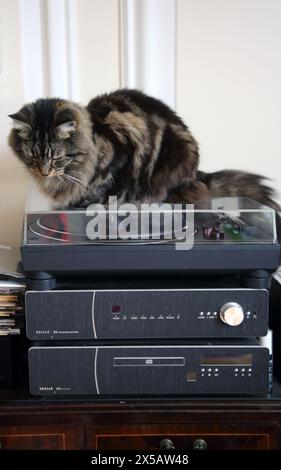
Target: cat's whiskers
(78, 173)
(76, 182)
(20, 169)
(68, 163)
(68, 177)
(81, 178)
(76, 179)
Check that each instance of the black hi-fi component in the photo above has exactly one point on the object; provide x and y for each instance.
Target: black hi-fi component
(146, 314)
(154, 314)
(232, 237)
(190, 368)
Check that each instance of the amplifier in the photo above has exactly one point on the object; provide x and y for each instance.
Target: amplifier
(124, 370)
(146, 314)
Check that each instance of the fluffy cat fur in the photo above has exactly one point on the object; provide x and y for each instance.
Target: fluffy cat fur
(123, 144)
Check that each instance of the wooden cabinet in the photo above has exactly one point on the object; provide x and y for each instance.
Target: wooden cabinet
(141, 425)
(40, 437)
(182, 437)
(216, 427)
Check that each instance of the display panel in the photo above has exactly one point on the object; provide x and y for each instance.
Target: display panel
(226, 359)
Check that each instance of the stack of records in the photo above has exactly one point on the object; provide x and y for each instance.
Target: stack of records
(11, 307)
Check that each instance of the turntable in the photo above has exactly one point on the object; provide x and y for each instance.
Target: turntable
(231, 236)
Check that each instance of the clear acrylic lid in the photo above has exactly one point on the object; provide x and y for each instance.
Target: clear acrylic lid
(224, 221)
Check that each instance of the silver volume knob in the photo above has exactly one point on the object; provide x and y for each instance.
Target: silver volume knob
(232, 314)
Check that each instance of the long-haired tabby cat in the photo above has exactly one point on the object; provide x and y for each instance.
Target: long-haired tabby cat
(125, 144)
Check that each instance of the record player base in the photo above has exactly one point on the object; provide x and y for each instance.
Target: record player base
(27, 423)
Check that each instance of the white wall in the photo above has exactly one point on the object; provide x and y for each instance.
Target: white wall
(229, 82)
(12, 177)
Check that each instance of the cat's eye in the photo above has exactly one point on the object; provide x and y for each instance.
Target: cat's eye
(72, 155)
(70, 125)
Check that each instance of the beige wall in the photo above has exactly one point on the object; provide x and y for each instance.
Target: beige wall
(228, 82)
(12, 177)
(99, 59)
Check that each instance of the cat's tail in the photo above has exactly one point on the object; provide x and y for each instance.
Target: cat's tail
(239, 183)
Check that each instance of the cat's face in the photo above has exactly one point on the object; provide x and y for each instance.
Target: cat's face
(45, 135)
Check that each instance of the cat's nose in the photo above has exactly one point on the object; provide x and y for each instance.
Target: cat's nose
(44, 169)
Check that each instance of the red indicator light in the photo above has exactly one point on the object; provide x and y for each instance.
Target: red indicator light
(115, 308)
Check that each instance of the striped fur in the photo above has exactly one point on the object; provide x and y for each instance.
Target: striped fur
(123, 144)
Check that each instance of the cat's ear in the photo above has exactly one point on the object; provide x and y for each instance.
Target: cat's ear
(20, 125)
(65, 129)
